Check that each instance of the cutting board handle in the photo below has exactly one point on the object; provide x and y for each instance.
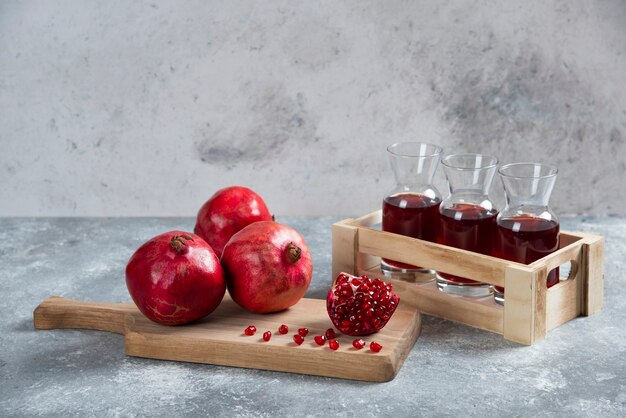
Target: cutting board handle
(58, 312)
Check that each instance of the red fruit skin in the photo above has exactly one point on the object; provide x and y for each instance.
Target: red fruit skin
(259, 273)
(171, 288)
(227, 212)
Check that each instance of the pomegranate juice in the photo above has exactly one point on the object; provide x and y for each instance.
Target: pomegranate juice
(526, 239)
(468, 227)
(413, 215)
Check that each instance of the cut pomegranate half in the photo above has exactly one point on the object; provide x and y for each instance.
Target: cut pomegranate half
(360, 305)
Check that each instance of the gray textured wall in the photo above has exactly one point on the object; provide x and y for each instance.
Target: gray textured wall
(146, 108)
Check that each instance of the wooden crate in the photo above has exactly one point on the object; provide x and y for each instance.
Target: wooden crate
(530, 310)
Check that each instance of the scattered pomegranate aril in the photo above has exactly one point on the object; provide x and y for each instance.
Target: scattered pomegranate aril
(320, 340)
(251, 330)
(298, 339)
(267, 335)
(330, 334)
(360, 305)
(303, 331)
(333, 344)
(358, 343)
(375, 347)
(283, 329)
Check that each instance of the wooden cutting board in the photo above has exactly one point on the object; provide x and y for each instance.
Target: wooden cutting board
(219, 338)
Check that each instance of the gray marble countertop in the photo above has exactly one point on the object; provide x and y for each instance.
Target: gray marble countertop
(579, 369)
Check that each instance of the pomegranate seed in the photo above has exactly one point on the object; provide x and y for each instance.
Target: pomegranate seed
(360, 305)
(375, 347)
(343, 278)
(333, 344)
(330, 334)
(303, 331)
(298, 339)
(358, 343)
(251, 330)
(283, 329)
(320, 340)
(267, 335)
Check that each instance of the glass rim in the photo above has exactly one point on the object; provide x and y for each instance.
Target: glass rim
(494, 162)
(552, 170)
(437, 150)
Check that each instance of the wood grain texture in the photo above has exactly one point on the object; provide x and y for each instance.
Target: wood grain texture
(563, 303)
(369, 219)
(593, 275)
(219, 339)
(518, 306)
(561, 256)
(435, 256)
(530, 309)
(344, 248)
(481, 313)
(540, 302)
(57, 312)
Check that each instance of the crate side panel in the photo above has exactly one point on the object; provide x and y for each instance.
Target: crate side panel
(520, 303)
(593, 275)
(563, 303)
(344, 257)
(439, 257)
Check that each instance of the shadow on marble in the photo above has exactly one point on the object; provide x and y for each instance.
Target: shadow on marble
(440, 331)
(25, 325)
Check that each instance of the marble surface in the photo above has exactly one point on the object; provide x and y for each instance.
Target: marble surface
(108, 107)
(579, 369)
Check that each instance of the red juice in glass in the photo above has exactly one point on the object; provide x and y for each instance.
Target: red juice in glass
(527, 228)
(468, 227)
(525, 239)
(411, 214)
(411, 206)
(468, 217)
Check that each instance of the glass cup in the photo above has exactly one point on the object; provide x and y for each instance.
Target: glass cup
(527, 228)
(468, 217)
(411, 207)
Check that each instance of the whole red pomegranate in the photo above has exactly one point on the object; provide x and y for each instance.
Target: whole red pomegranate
(227, 212)
(268, 267)
(175, 278)
(360, 305)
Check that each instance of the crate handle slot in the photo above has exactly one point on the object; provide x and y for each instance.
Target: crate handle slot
(573, 272)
